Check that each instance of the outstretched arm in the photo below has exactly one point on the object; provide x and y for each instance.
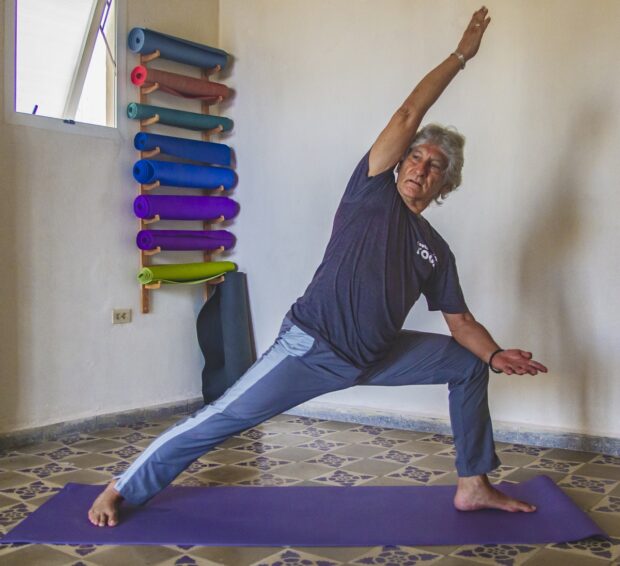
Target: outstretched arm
(387, 151)
(470, 334)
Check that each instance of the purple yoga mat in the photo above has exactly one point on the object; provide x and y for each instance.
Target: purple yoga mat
(184, 239)
(309, 516)
(170, 207)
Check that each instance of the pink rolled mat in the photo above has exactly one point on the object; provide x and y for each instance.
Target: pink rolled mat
(178, 85)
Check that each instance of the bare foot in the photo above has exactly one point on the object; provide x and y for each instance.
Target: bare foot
(476, 492)
(104, 511)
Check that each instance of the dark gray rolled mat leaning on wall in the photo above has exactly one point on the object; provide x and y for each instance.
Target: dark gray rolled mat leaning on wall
(225, 336)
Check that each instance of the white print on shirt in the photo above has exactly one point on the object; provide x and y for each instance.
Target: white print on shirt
(426, 254)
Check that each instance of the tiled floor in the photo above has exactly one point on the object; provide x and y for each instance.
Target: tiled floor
(289, 450)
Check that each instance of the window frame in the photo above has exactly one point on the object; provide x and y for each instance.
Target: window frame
(58, 124)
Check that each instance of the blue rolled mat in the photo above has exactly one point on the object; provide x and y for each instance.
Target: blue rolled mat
(209, 152)
(224, 329)
(143, 40)
(183, 174)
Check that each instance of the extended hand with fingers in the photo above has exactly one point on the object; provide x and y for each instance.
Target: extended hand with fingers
(472, 36)
(516, 361)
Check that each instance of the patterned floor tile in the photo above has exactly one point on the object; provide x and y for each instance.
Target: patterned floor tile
(600, 471)
(504, 554)
(416, 475)
(606, 460)
(343, 478)
(523, 449)
(294, 557)
(289, 450)
(398, 456)
(397, 555)
(546, 464)
(595, 485)
(593, 547)
(570, 455)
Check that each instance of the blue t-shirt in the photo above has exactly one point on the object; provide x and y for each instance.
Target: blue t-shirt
(381, 256)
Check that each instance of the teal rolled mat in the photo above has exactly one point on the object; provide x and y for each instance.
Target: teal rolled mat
(179, 118)
(187, 273)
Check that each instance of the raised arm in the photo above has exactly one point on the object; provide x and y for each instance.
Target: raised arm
(387, 151)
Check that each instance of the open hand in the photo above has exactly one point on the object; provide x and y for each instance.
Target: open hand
(470, 42)
(517, 361)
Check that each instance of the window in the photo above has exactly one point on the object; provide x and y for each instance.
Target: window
(65, 59)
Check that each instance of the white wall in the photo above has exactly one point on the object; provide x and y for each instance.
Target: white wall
(69, 257)
(535, 224)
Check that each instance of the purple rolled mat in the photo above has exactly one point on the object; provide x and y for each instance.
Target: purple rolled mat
(310, 516)
(184, 239)
(170, 207)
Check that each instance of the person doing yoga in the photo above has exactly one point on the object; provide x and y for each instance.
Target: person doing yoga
(346, 329)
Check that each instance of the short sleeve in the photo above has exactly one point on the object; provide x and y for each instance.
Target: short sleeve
(360, 182)
(443, 290)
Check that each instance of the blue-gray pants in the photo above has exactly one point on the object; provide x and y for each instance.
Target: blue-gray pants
(298, 368)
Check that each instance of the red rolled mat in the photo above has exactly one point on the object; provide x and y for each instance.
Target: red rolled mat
(178, 85)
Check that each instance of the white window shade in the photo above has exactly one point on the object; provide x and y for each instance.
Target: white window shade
(59, 43)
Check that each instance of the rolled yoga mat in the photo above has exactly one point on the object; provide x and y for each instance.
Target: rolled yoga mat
(183, 174)
(170, 207)
(209, 152)
(145, 41)
(178, 273)
(179, 85)
(180, 240)
(225, 336)
(179, 118)
(309, 516)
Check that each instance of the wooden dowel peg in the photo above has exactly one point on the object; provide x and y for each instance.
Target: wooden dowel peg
(150, 121)
(220, 189)
(216, 251)
(153, 252)
(150, 56)
(149, 89)
(151, 186)
(152, 153)
(212, 131)
(151, 220)
(153, 285)
(216, 281)
(213, 70)
(215, 220)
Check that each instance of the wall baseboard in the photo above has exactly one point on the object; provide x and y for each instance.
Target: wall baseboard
(503, 432)
(82, 426)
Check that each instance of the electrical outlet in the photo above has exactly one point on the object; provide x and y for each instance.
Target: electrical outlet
(121, 316)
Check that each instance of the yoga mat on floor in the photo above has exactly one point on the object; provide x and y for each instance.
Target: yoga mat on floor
(179, 85)
(145, 41)
(183, 174)
(179, 118)
(170, 207)
(225, 337)
(184, 273)
(209, 152)
(310, 516)
(180, 240)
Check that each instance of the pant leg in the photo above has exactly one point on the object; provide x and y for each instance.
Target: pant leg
(425, 358)
(295, 369)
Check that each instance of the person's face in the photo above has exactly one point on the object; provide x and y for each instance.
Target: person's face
(421, 175)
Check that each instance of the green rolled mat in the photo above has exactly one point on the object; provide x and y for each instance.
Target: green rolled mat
(179, 118)
(188, 273)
